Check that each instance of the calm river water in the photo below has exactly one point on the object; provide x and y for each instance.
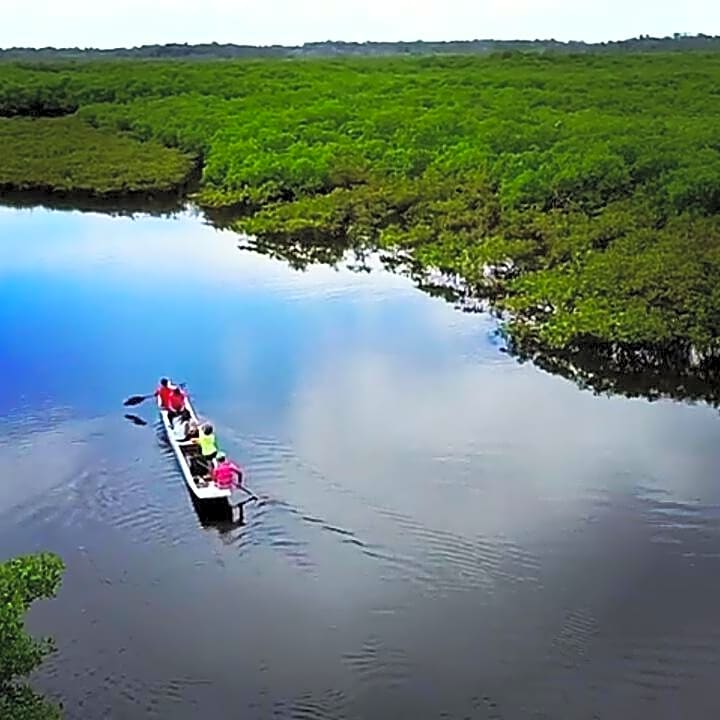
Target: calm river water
(442, 532)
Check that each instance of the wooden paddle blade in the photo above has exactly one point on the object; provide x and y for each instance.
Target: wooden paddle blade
(135, 420)
(136, 400)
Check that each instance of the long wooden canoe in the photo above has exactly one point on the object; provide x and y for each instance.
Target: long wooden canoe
(201, 490)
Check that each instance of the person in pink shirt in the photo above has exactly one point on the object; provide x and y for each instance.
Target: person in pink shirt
(225, 472)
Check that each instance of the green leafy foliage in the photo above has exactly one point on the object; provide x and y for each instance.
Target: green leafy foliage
(580, 193)
(68, 155)
(22, 581)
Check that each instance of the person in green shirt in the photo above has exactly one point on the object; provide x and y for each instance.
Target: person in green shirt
(208, 447)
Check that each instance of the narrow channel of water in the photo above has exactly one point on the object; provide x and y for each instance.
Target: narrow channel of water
(442, 532)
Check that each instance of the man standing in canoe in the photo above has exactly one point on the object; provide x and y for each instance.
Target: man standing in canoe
(164, 391)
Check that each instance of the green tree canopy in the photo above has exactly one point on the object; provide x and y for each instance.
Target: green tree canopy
(22, 581)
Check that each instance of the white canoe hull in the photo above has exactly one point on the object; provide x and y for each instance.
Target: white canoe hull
(200, 490)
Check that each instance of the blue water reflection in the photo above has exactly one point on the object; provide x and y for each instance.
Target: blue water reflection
(441, 530)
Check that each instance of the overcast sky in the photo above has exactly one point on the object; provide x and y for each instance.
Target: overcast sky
(113, 23)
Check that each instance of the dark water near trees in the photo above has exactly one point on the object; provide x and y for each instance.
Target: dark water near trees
(442, 532)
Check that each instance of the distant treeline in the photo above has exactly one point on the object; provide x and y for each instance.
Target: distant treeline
(644, 43)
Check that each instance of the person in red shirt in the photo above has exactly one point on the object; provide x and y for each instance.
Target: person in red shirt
(164, 392)
(176, 404)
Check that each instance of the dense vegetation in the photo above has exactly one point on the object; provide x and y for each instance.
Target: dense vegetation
(68, 155)
(580, 193)
(22, 581)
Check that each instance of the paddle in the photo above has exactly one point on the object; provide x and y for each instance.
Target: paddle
(240, 486)
(137, 399)
(135, 420)
(253, 497)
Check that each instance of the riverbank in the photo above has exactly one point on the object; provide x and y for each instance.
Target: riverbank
(580, 195)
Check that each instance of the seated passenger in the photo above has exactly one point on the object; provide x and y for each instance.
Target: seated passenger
(181, 425)
(225, 472)
(192, 430)
(208, 447)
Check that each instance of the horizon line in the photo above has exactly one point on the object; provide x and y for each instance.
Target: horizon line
(86, 48)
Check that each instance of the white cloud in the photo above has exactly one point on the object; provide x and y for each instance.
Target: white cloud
(487, 432)
(133, 22)
(93, 243)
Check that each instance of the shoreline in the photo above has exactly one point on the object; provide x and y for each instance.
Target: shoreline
(580, 205)
(630, 369)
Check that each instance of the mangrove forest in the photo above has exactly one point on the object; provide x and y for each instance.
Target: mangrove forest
(579, 194)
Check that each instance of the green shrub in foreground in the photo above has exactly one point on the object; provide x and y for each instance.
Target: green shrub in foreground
(22, 581)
